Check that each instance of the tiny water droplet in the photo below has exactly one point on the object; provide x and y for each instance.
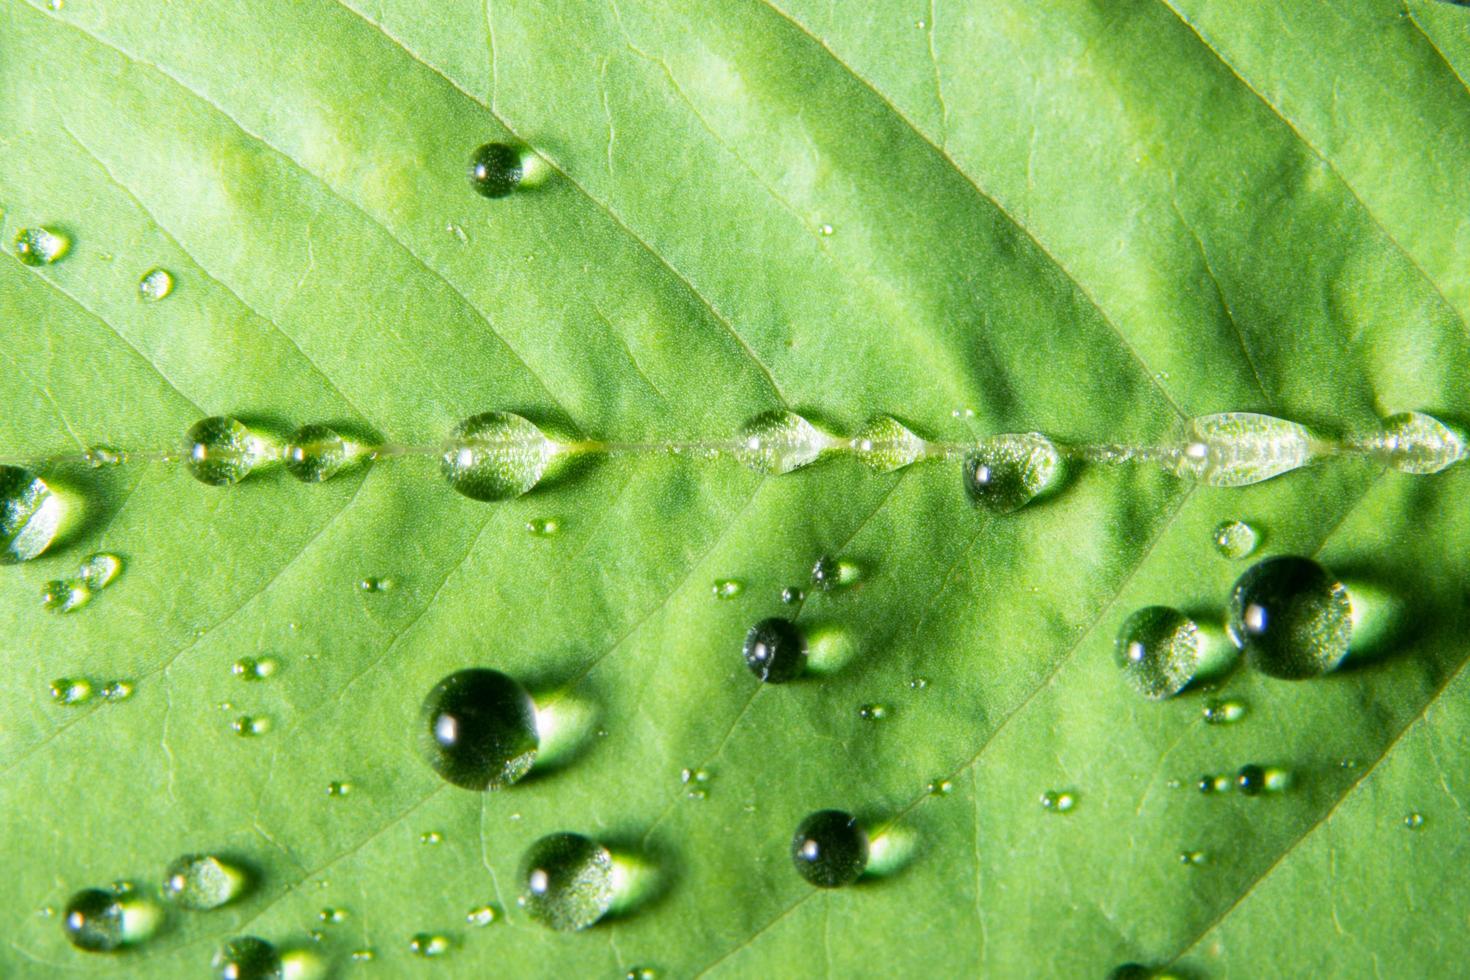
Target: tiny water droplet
(41, 246)
(568, 881)
(543, 527)
(826, 231)
(791, 595)
(1414, 821)
(726, 588)
(873, 712)
(1192, 858)
(71, 690)
(830, 574)
(221, 451)
(315, 453)
(496, 169)
(155, 284)
(458, 232)
(332, 915)
(1235, 539)
(495, 456)
(1158, 649)
(641, 973)
(99, 456)
(248, 726)
(482, 915)
(477, 729)
(1208, 784)
(1292, 618)
(775, 650)
(429, 944)
(940, 787)
(1005, 473)
(1253, 780)
(116, 691)
(886, 444)
(254, 668)
(830, 849)
(202, 881)
(1174, 784)
(1413, 442)
(46, 911)
(779, 442)
(1235, 449)
(919, 683)
(248, 958)
(363, 956)
(372, 584)
(1223, 712)
(431, 837)
(1058, 801)
(30, 515)
(338, 788)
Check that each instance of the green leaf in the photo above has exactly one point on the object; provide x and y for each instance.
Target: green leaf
(1091, 220)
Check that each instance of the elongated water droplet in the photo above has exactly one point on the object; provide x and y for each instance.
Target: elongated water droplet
(247, 958)
(495, 456)
(99, 456)
(641, 973)
(1192, 858)
(376, 584)
(332, 915)
(940, 787)
(315, 453)
(726, 588)
(363, 956)
(1414, 821)
(477, 728)
(30, 515)
(830, 849)
(71, 690)
(431, 837)
(543, 527)
(482, 915)
(1234, 449)
(202, 881)
(1158, 649)
(1058, 801)
(1235, 539)
(873, 712)
(1413, 442)
(429, 945)
(339, 788)
(155, 284)
(116, 691)
(41, 246)
(1223, 712)
(249, 726)
(567, 881)
(254, 668)
(221, 451)
(1006, 472)
(99, 570)
(1292, 618)
(775, 650)
(918, 683)
(496, 169)
(63, 595)
(779, 442)
(885, 444)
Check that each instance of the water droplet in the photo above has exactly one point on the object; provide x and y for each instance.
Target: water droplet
(332, 915)
(248, 726)
(919, 683)
(429, 944)
(940, 787)
(1413, 442)
(247, 958)
(482, 915)
(1223, 712)
(779, 442)
(1058, 801)
(1131, 971)
(1234, 449)
(63, 595)
(41, 246)
(100, 456)
(873, 712)
(726, 588)
(1235, 539)
(495, 456)
(431, 837)
(457, 232)
(1005, 473)
(338, 788)
(1414, 821)
(775, 650)
(1291, 617)
(477, 728)
(202, 881)
(1192, 858)
(117, 691)
(1208, 784)
(543, 527)
(830, 574)
(375, 585)
(885, 444)
(221, 451)
(93, 921)
(1158, 649)
(30, 515)
(496, 169)
(99, 570)
(71, 690)
(830, 849)
(315, 453)
(825, 231)
(791, 595)
(1251, 780)
(155, 284)
(254, 668)
(363, 956)
(568, 881)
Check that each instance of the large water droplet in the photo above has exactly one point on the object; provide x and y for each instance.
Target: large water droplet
(496, 169)
(1234, 449)
(885, 444)
(1417, 443)
(202, 881)
(315, 453)
(1235, 539)
(247, 958)
(220, 451)
(93, 921)
(1006, 472)
(775, 650)
(1158, 649)
(495, 456)
(477, 728)
(30, 515)
(830, 849)
(568, 881)
(1292, 618)
(155, 284)
(41, 246)
(779, 442)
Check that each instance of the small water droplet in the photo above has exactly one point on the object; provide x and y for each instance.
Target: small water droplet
(495, 456)
(872, 712)
(940, 787)
(116, 691)
(1414, 821)
(221, 451)
(568, 881)
(100, 920)
(791, 595)
(1413, 442)
(1006, 472)
(543, 527)
(477, 728)
(248, 958)
(202, 881)
(332, 915)
(1251, 780)
(1223, 712)
(830, 574)
(830, 849)
(1235, 449)
(41, 246)
(315, 453)
(641, 973)
(71, 690)
(779, 442)
(1158, 649)
(1174, 784)
(1058, 801)
(1208, 784)
(921, 23)
(63, 595)
(775, 650)
(825, 231)
(726, 588)
(249, 726)
(99, 456)
(363, 956)
(886, 444)
(1292, 618)
(338, 788)
(482, 915)
(30, 515)
(431, 837)
(155, 284)
(1192, 858)
(496, 169)
(373, 584)
(919, 683)
(429, 944)
(98, 570)
(254, 668)
(1235, 539)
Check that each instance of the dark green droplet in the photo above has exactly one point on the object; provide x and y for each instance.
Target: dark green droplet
(775, 650)
(830, 849)
(94, 921)
(1206, 784)
(315, 453)
(1292, 618)
(1251, 780)
(567, 881)
(496, 169)
(247, 958)
(478, 729)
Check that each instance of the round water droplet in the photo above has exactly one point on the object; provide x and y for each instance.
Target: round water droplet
(375, 584)
(247, 958)
(1223, 712)
(202, 881)
(1292, 618)
(1194, 858)
(1007, 472)
(1058, 801)
(332, 915)
(71, 690)
(431, 837)
(1235, 539)
(1234, 449)
(338, 788)
(830, 574)
(825, 231)
(779, 442)
(30, 515)
(873, 712)
(99, 570)
(495, 456)
(1417, 443)
(93, 921)
(496, 169)
(155, 284)
(568, 881)
(1208, 784)
(726, 588)
(775, 650)
(543, 527)
(249, 726)
(885, 444)
(117, 690)
(41, 246)
(477, 728)
(1251, 780)
(830, 849)
(1414, 821)
(1158, 649)
(940, 787)
(791, 595)
(919, 683)
(482, 915)
(62, 595)
(220, 451)
(253, 668)
(429, 945)
(315, 453)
